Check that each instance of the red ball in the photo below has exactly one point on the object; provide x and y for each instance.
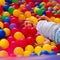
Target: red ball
(11, 38)
(37, 16)
(58, 46)
(30, 40)
(14, 20)
(46, 1)
(33, 14)
(24, 10)
(27, 1)
(1, 9)
(57, 15)
(22, 43)
(33, 31)
(36, 35)
(14, 30)
(49, 13)
(16, 6)
(31, 4)
(6, 24)
(55, 49)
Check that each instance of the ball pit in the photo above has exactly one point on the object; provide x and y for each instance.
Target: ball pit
(18, 38)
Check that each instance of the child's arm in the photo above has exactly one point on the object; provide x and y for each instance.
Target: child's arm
(45, 18)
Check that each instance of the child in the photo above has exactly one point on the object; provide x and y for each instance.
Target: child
(49, 29)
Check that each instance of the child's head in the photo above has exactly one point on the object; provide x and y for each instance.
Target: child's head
(28, 24)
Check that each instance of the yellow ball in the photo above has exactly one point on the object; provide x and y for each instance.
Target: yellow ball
(4, 43)
(57, 20)
(40, 39)
(16, 13)
(3, 53)
(29, 48)
(27, 53)
(53, 18)
(53, 44)
(2, 2)
(7, 31)
(18, 51)
(35, 9)
(21, 17)
(6, 14)
(18, 35)
(27, 14)
(33, 19)
(38, 49)
(1, 25)
(47, 47)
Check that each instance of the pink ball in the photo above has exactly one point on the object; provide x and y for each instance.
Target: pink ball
(24, 10)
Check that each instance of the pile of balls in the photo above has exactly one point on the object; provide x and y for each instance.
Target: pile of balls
(16, 40)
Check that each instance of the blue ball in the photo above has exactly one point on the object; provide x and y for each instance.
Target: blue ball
(9, 1)
(33, 54)
(7, 19)
(52, 53)
(12, 26)
(44, 52)
(50, 9)
(2, 34)
(5, 7)
(44, 12)
(59, 51)
(36, 3)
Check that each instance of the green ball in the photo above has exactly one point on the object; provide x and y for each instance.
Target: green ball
(42, 8)
(11, 9)
(58, 11)
(53, 12)
(3, 17)
(15, 1)
(39, 12)
(41, 5)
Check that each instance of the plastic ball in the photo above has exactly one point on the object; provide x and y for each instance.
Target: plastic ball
(2, 34)
(31, 4)
(36, 3)
(33, 19)
(6, 24)
(52, 53)
(45, 1)
(55, 49)
(44, 52)
(42, 4)
(16, 13)
(18, 35)
(30, 40)
(7, 31)
(27, 1)
(29, 48)
(12, 26)
(3, 17)
(22, 17)
(53, 44)
(11, 9)
(38, 49)
(18, 51)
(40, 39)
(24, 10)
(36, 9)
(58, 11)
(15, 1)
(22, 6)
(23, 43)
(4, 43)
(49, 13)
(43, 8)
(33, 54)
(53, 18)
(1, 25)
(58, 46)
(6, 14)
(5, 7)
(50, 9)
(47, 47)
(7, 19)
(1, 9)
(2, 3)
(27, 53)
(27, 14)
(53, 12)
(28, 7)
(3, 53)
(39, 12)
(57, 20)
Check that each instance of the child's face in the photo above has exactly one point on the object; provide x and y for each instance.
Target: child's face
(28, 24)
